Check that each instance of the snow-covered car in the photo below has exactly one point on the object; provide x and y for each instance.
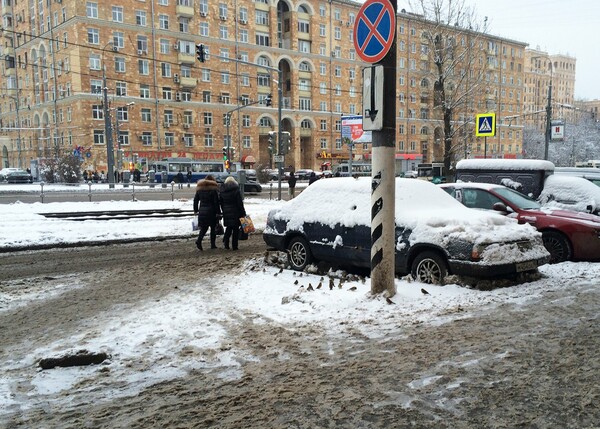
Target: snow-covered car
(590, 174)
(303, 174)
(571, 193)
(435, 235)
(411, 174)
(567, 235)
(4, 172)
(18, 176)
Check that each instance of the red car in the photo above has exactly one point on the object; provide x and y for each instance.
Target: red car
(567, 235)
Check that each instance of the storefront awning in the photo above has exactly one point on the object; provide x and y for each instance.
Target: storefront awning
(248, 159)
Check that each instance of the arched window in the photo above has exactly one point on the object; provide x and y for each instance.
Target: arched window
(264, 61)
(304, 66)
(424, 131)
(305, 124)
(424, 83)
(265, 121)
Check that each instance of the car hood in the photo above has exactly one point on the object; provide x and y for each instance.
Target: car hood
(564, 214)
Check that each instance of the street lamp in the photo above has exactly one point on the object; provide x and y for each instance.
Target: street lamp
(549, 115)
(110, 158)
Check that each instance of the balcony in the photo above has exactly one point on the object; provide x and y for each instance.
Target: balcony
(187, 11)
(184, 57)
(188, 82)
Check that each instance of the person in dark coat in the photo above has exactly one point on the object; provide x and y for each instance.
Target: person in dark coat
(233, 209)
(292, 185)
(312, 178)
(206, 206)
(179, 179)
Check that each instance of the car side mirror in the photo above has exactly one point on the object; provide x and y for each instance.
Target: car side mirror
(500, 207)
(590, 208)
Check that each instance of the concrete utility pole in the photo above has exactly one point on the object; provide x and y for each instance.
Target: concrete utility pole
(110, 158)
(375, 42)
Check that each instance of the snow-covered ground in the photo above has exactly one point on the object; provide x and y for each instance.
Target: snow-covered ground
(190, 317)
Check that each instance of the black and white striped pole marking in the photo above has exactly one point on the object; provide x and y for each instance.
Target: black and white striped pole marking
(382, 181)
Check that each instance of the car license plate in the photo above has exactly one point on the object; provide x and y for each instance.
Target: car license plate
(526, 266)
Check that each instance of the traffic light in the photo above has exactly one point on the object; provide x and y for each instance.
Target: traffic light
(268, 100)
(200, 52)
(225, 157)
(227, 165)
(285, 142)
(272, 142)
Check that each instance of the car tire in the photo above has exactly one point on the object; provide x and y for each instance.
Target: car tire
(429, 267)
(299, 254)
(558, 246)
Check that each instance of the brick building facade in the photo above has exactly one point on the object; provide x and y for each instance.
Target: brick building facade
(60, 54)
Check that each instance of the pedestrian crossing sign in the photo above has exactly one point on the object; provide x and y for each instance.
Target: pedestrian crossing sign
(485, 125)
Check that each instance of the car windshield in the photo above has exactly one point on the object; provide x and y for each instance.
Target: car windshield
(517, 199)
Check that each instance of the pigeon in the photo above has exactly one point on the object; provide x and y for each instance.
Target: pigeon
(294, 273)
(320, 285)
(424, 291)
(340, 285)
(331, 284)
(296, 282)
(310, 287)
(321, 279)
(352, 288)
(275, 275)
(281, 271)
(389, 301)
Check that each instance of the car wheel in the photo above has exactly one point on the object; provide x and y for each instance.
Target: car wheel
(299, 255)
(429, 267)
(558, 246)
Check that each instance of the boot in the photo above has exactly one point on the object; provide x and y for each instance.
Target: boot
(212, 244)
(199, 245)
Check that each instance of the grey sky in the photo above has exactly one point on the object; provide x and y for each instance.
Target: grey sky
(566, 27)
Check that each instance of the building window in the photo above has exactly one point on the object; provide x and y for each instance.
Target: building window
(243, 36)
(303, 26)
(205, 75)
(208, 118)
(206, 96)
(143, 67)
(163, 22)
(146, 139)
(140, 18)
(323, 88)
(263, 39)
(223, 32)
(167, 93)
(91, 10)
(323, 125)
(93, 36)
(96, 86)
(184, 24)
(225, 77)
(204, 29)
(304, 46)
(246, 142)
(94, 62)
(208, 140)
(322, 30)
(304, 103)
(246, 121)
(117, 13)
(121, 89)
(204, 7)
(338, 143)
(98, 137)
(188, 140)
(169, 139)
(146, 115)
(120, 64)
(165, 69)
(262, 17)
(144, 91)
(323, 143)
(97, 111)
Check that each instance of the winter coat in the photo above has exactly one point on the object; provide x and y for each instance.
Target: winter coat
(206, 202)
(231, 204)
(292, 181)
(312, 178)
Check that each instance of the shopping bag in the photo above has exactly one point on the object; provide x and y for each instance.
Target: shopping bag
(247, 224)
(219, 230)
(194, 224)
(242, 235)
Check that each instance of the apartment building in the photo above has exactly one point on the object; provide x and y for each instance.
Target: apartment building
(60, 56)
(543, 70)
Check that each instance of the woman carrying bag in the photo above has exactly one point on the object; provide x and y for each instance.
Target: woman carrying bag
(233, 209)
(208, 209)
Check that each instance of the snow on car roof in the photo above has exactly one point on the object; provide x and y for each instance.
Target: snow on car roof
(432, 214)
(571, 188)
(478, 185)
(504, 164)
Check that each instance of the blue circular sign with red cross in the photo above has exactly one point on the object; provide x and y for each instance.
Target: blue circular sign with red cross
(374, 30)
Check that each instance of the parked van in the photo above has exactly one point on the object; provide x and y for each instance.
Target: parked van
(524, 175)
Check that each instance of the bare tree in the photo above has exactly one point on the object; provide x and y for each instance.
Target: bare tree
(453, 42)
(581, 143)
